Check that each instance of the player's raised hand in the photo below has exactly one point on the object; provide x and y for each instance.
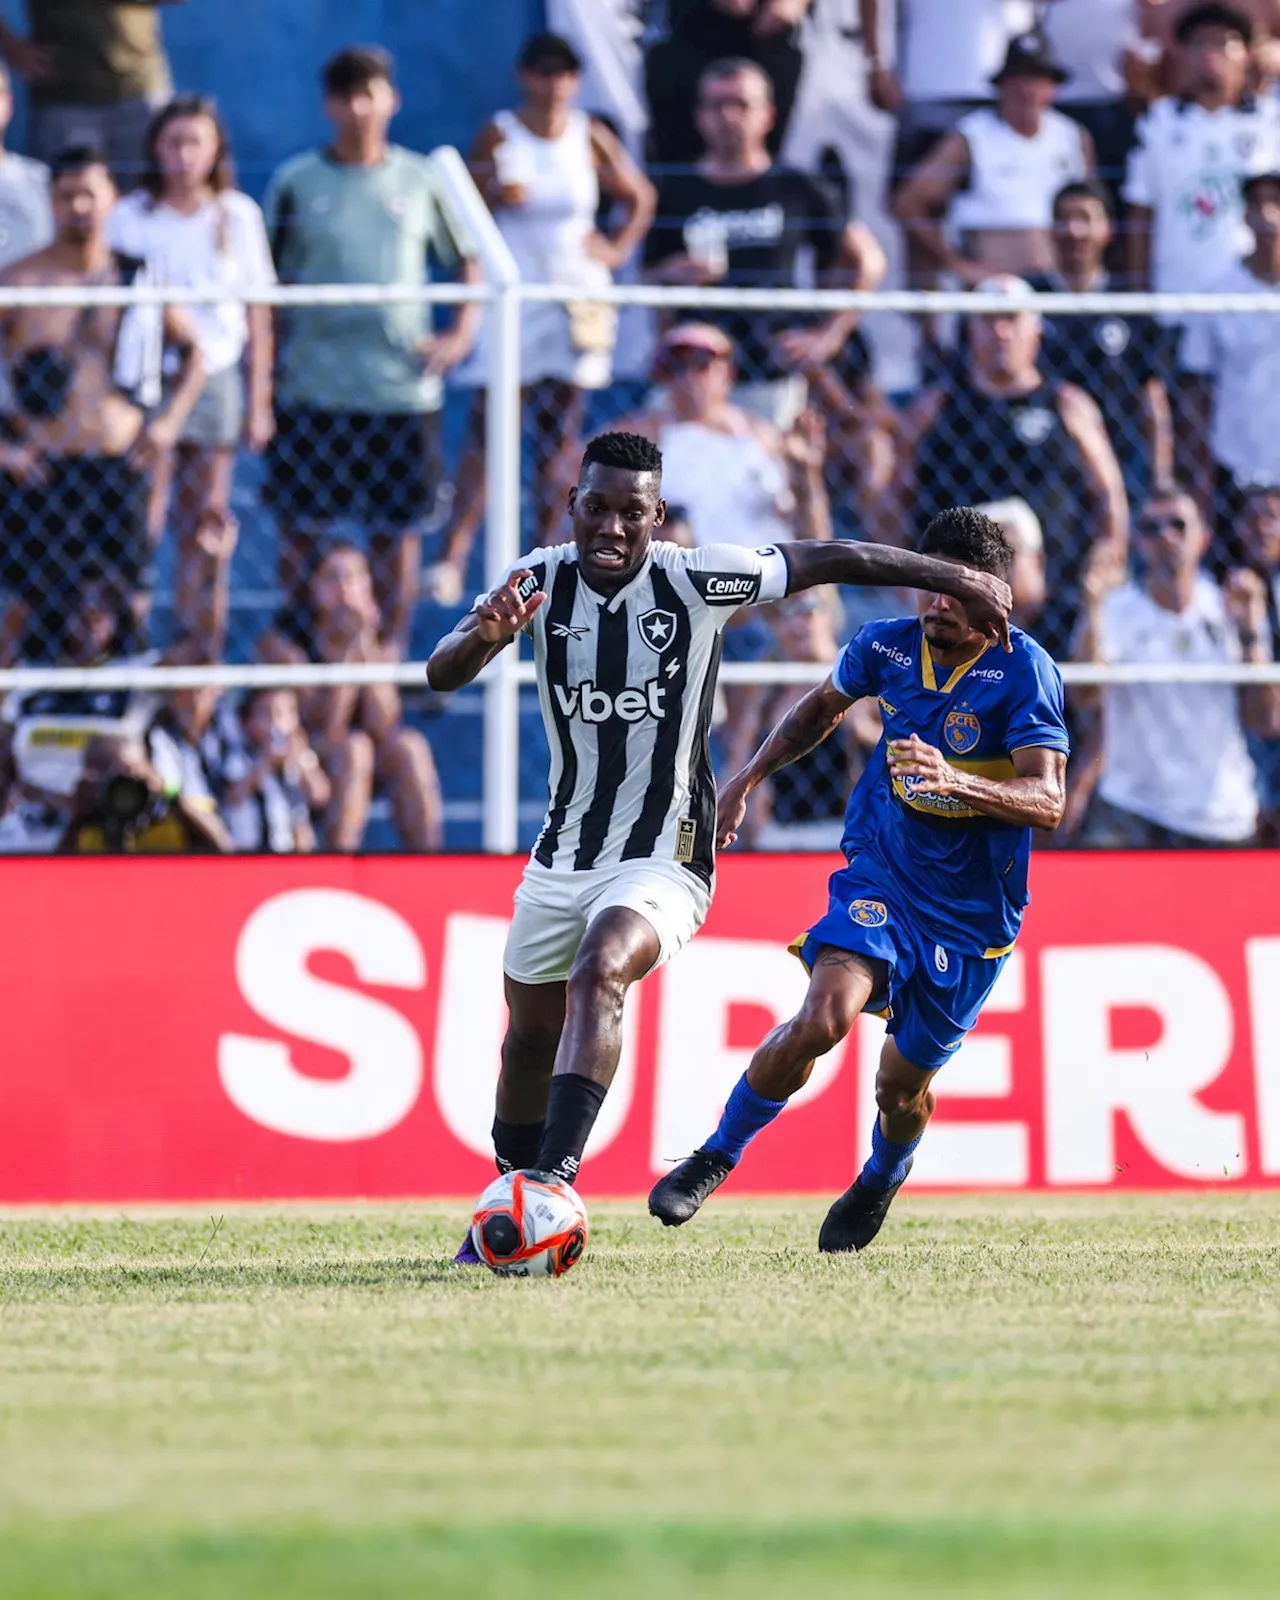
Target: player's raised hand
(925, 763)
(731, 808)
(987, 601)
(502, 614)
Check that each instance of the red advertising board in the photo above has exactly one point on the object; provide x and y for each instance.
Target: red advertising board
(259, 1029)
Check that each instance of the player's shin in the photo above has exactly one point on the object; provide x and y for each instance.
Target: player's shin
(745, 1114)
(516, 1144)
(887, 1164)
(572, 1110)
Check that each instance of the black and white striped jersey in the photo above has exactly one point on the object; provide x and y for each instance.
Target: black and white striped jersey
(627, 687)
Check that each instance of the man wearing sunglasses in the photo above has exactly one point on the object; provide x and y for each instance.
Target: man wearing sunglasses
(1171, 765)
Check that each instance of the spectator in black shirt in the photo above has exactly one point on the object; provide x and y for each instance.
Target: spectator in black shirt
(1124, 362)
(702, 31)
(739, 220)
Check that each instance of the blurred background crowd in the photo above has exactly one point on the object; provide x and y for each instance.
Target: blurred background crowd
(219, 483)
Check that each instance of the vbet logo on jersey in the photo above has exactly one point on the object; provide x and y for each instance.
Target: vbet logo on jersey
(598, 705)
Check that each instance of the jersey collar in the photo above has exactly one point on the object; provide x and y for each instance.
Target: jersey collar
(607, 603)
(929, 672)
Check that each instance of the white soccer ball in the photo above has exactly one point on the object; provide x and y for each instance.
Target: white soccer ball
(529, 1225)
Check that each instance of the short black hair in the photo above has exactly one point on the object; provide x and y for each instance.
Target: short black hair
(1213, 15)
(548, 52)
(631, 452)
(971, 537)
(1086, 189)
(730, 67)
(356, 67)
(79, 158)
(1250, 183)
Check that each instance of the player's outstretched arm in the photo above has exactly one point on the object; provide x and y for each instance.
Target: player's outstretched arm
(1033, 798)
(987, 599)
(482, 633)
(805, 725)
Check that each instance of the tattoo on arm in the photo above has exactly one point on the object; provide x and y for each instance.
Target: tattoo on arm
(801, 729)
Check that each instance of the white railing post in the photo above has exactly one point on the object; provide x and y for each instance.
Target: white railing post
(502, 495)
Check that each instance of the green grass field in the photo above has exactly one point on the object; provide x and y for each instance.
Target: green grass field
(1003, 1397)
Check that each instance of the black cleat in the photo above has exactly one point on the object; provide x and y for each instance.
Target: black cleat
(857, 1216)
(675, 1198)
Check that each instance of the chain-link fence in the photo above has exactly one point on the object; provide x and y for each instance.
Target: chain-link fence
(344, 542)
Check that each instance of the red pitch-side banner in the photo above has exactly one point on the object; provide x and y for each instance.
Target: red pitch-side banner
(259, 1029)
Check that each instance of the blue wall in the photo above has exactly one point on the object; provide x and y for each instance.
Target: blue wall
(261, 59)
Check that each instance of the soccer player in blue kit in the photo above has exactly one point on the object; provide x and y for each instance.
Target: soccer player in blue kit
(937, 843)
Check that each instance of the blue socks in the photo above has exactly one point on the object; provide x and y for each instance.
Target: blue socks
(745, 1113)
(887, 1163)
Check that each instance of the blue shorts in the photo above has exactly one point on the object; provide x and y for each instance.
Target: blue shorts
(934, 995)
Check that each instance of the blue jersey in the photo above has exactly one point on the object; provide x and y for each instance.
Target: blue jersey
(963, 875)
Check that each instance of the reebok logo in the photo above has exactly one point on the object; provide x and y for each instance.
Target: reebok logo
(898, 657)
(598, 705)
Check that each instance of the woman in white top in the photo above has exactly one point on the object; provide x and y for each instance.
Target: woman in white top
(543, 169)
(196, 231)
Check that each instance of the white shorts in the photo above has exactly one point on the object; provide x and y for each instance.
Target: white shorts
(554, 909)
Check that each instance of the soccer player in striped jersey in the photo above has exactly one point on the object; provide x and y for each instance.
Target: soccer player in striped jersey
(626, 635)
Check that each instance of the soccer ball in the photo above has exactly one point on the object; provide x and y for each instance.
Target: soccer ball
(529, 1225)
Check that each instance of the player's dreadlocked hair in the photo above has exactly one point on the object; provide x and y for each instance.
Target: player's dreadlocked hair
(967, 535)
(630, 451)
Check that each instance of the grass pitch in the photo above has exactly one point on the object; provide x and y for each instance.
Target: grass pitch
(1002, 1397)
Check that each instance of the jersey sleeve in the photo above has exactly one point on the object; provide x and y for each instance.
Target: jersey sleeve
(1037, 717)
(729, 576)
(852, 673)
(538, 564)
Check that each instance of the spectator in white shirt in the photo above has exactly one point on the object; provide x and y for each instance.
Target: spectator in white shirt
(1099, 44)
(196, 231)
(1173, 768)
(26, 219)
(1185, 218)
(1235, 397)
(996, 175)
(273, 779)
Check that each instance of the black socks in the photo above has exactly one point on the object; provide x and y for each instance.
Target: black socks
(572, 1109)
(516, 1144)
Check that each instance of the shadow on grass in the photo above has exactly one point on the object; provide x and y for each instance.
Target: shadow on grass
(109, 1280)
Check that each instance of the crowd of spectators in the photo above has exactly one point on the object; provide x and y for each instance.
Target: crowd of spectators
(1072, 145)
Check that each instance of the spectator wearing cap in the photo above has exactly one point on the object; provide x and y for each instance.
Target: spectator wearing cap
(1001, 429)
(738, 480)
(1172, 767)
(96, 72)
(544, 169)
(1184, 224)
(359, 388)
(1235, 391)
(1126, 362)
(740, 220)
(995, 176)
(765, 32)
